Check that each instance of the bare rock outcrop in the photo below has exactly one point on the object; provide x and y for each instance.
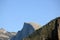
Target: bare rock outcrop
(5, 35)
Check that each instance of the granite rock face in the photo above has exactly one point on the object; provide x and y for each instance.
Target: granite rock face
(50, 31)
(4, 35)
(28, 29)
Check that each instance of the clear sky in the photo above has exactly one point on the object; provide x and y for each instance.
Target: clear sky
(13, 13)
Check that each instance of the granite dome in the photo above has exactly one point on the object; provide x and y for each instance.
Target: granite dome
(35, 25)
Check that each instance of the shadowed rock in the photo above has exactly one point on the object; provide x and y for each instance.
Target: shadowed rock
(28, 29)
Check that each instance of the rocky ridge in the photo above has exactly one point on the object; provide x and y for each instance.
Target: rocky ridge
(5, 35)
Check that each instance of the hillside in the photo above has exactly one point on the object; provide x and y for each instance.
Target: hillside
(50, 31)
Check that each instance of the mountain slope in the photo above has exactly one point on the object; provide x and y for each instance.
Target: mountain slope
(50, 31)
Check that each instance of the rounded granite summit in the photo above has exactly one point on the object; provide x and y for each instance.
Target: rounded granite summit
(35, 25)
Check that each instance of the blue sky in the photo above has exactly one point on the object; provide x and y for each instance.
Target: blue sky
(13, 13)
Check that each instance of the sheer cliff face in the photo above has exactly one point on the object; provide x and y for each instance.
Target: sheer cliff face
(27, 30)
(4, 35)
(50, 31)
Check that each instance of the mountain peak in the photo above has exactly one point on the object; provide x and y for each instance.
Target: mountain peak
(34, 25)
